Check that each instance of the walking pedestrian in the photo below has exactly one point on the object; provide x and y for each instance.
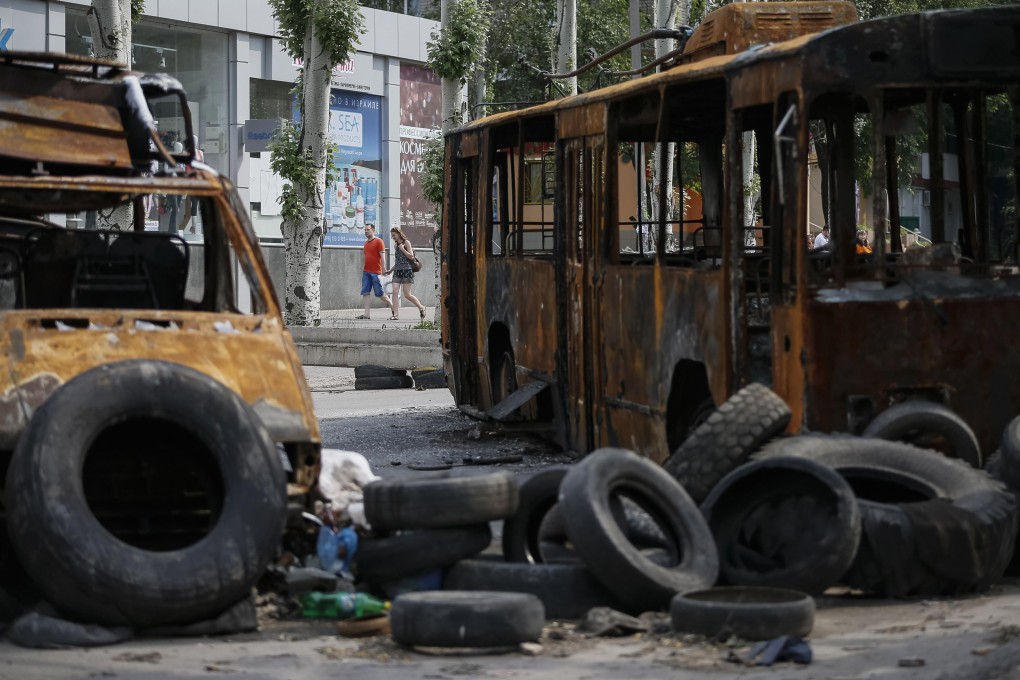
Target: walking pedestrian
(403, 274)
(374, 249)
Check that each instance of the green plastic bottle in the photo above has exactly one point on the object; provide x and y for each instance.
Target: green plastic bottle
(341, 605)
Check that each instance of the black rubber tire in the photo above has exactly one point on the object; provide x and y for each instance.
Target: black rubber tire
(437, 502)
(503, 380)
(374, 371)
(930, 525)
(748, 613)
(783, 522)
(521, 531)
(389, 382)
(910, 421)
(455, 618)
(738, 428)
(538, 523)
(585, 499)
(379, 560)
(567, 591)
(994, 469)
(430, 379)
(1009, 455)
(86, 569)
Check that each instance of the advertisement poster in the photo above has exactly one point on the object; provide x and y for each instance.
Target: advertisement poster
(421, 117)
(355, 122)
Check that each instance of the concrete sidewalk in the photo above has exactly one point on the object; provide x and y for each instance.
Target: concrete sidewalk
(347, 318)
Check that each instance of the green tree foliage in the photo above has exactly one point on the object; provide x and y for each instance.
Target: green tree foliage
(338, 23)
(455, 51)
(519, 29)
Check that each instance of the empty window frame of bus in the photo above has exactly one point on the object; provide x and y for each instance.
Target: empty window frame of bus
(523, 185)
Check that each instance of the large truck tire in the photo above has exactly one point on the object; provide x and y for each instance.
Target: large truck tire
(105, 550)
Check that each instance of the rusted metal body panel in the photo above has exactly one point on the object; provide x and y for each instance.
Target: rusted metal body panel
(638, 364)
(735, 27)
(945, 349)
(515, 297)
(251, 358)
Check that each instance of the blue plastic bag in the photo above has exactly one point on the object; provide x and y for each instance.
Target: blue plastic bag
(336, 550)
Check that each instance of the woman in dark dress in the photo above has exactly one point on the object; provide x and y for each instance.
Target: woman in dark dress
(403, 275)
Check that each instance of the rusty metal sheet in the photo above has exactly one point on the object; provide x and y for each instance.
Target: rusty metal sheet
(251, 360)
(519, 293)
(953, 347)
(652, 318)
(735, 27)
(54, 130)
(582, 121)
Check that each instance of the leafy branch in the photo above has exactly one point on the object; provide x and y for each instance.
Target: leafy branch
(454, 51)
(337, 25)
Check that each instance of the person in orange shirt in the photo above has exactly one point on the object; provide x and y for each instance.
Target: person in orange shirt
(862, 242)
(374, 249)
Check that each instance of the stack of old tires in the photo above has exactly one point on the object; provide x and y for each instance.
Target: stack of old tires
(613, 530)
(426, 524)
(885, 517)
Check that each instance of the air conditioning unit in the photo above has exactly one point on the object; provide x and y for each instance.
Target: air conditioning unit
(926, 198)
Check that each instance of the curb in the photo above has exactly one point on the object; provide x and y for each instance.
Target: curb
(350, 347)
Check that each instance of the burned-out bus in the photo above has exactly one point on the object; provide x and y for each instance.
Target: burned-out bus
(612, 319)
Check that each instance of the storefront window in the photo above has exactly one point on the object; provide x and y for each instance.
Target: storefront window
(271, 99)
(198, 59)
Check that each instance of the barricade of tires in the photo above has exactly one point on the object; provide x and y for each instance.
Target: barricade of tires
(876, 513)
(782, 519)
(607, 551)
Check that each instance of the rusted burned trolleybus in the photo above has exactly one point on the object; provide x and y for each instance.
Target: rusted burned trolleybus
(566, 315)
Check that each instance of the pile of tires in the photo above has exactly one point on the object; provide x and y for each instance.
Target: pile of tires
(875, 512)
(423, 525)
(613, 530)
(930, 525)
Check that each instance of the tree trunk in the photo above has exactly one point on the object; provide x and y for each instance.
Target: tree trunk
(664, 16)
(750, 194)
(454, 94)
(303, 239)
(110, 24)
(566, 42)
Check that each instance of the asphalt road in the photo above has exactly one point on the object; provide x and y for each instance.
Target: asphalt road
(399, 430)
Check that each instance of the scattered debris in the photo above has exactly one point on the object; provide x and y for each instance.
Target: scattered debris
(606, 622)
(782, 648)
(139, 657)
(531, 648)
(910, 662)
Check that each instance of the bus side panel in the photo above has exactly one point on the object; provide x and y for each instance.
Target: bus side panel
(520, 295)
(953, 350)
(651, 321)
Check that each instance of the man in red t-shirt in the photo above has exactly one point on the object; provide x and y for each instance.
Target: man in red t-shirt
(374, 248)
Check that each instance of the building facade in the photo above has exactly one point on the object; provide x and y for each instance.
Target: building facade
(234, 69)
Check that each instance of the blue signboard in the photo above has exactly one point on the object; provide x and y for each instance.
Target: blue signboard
(355, 124)
(5, 36)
